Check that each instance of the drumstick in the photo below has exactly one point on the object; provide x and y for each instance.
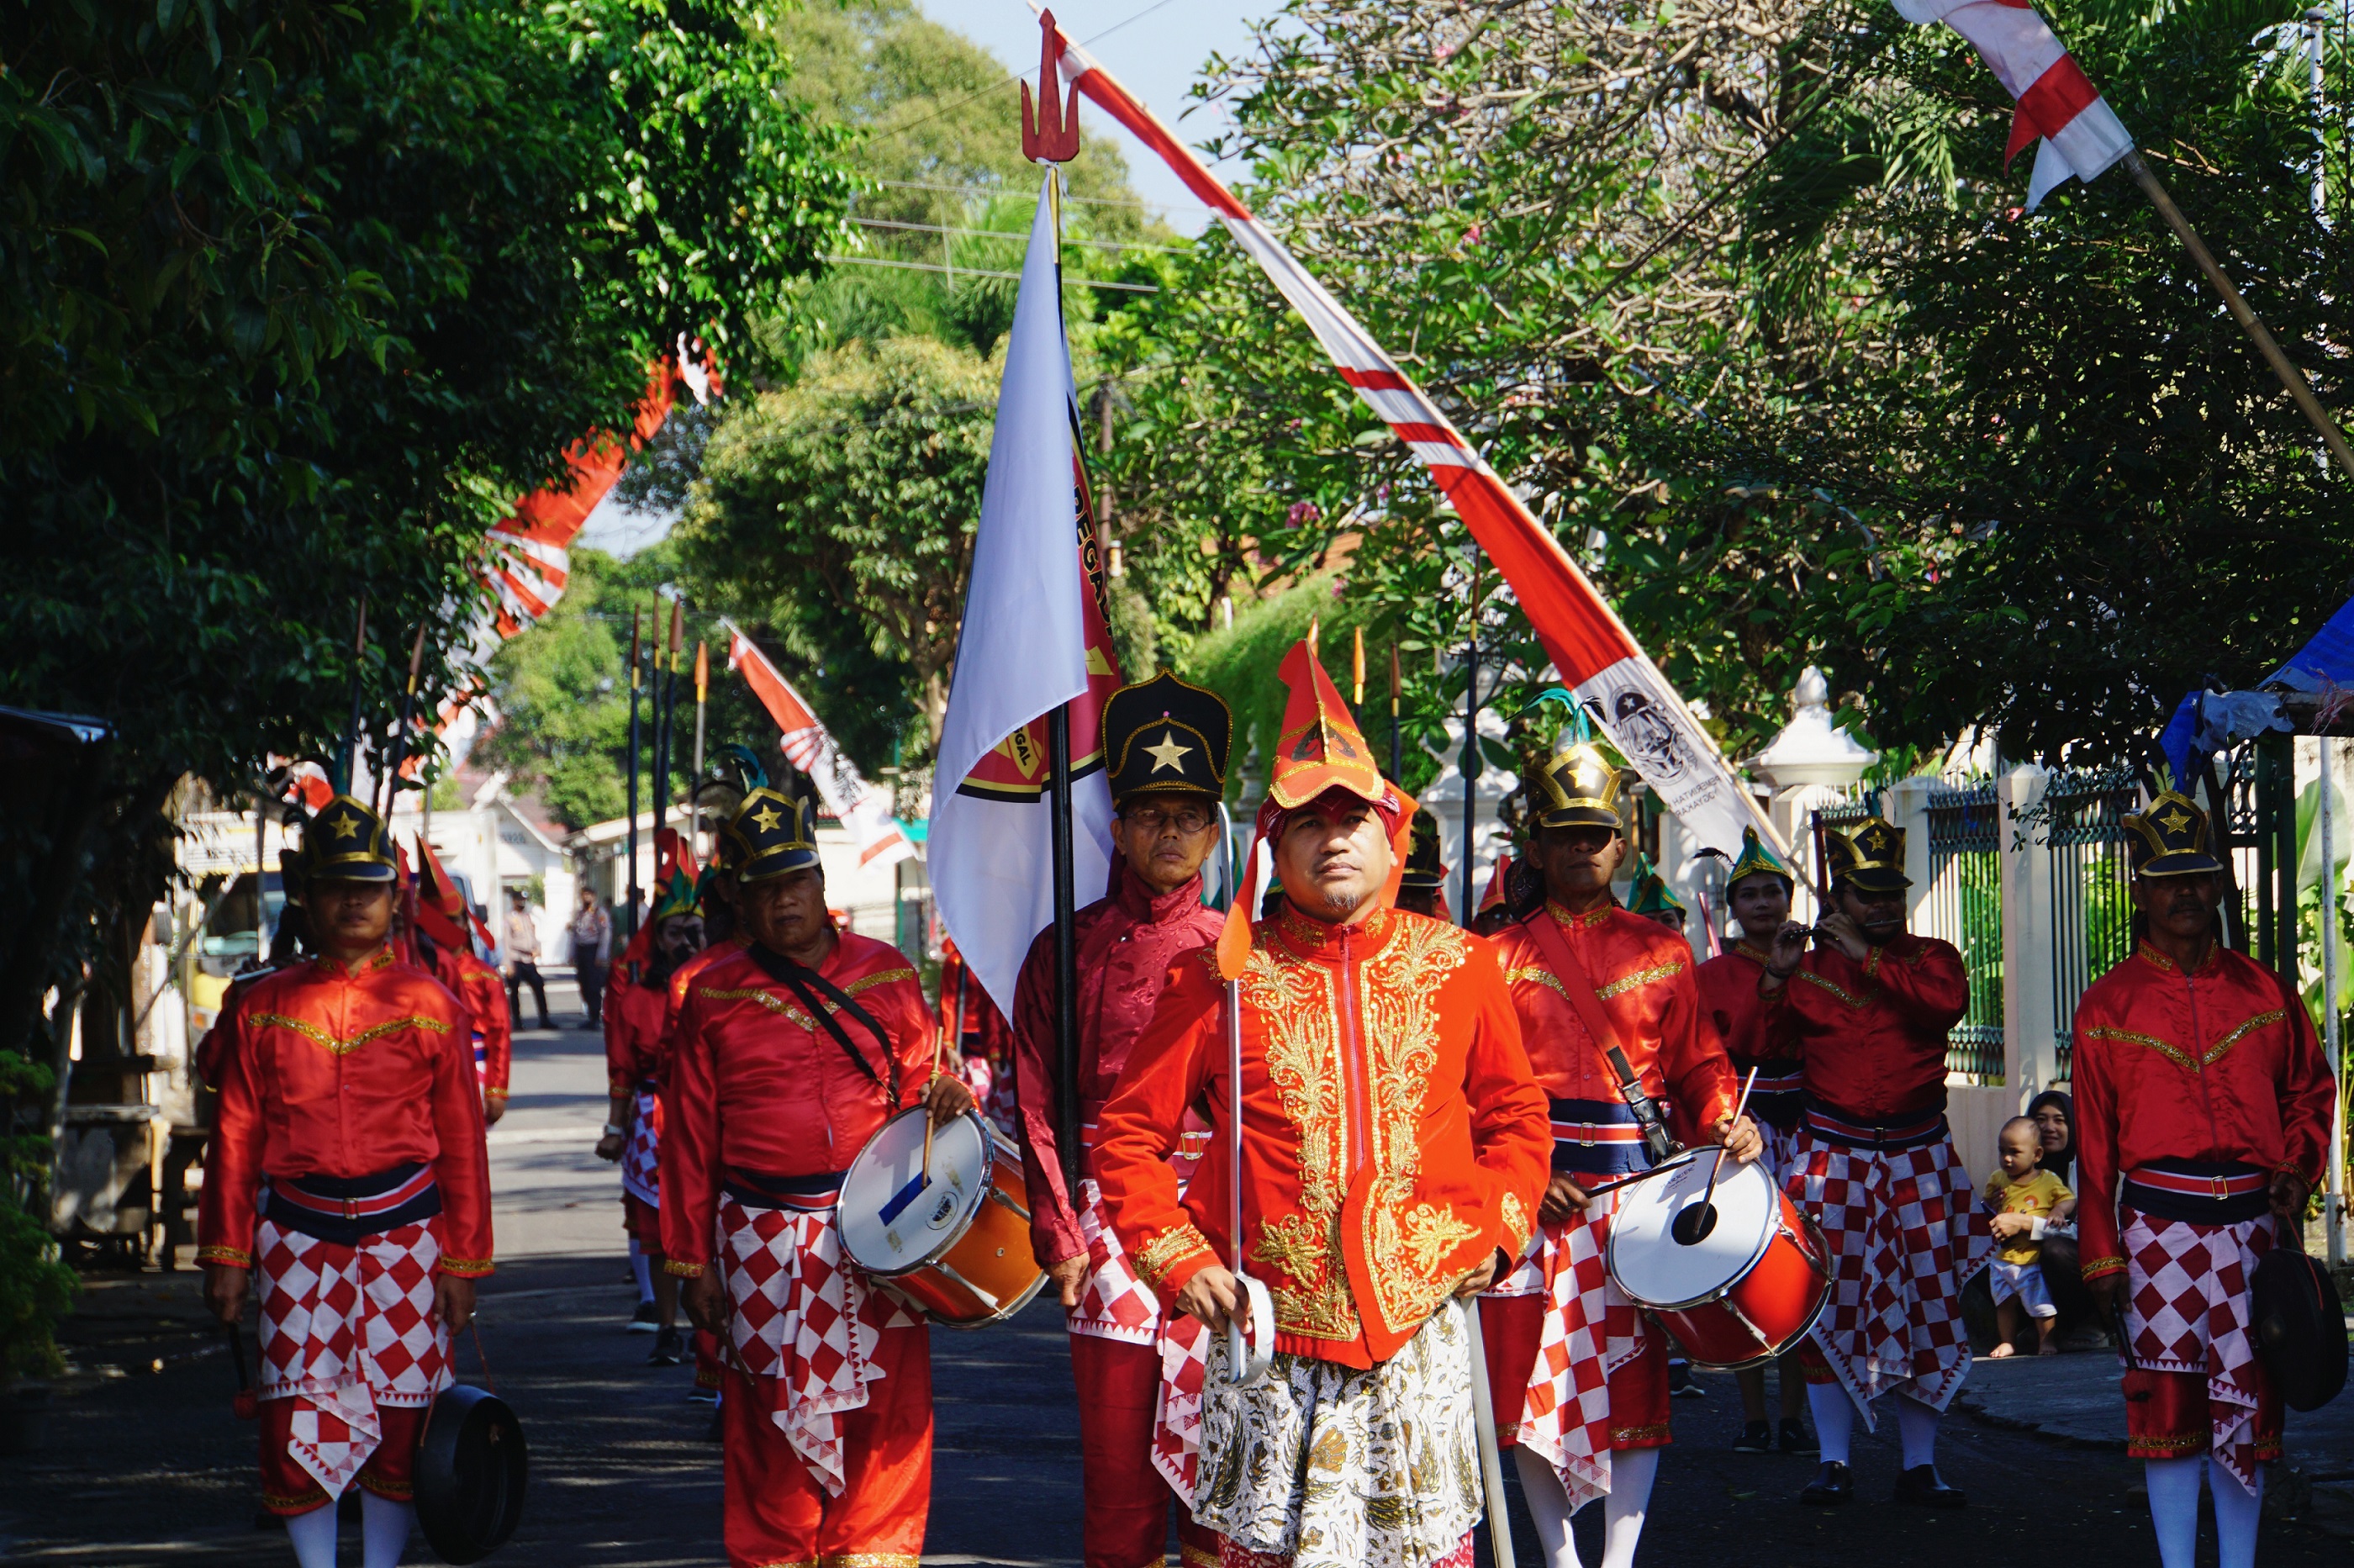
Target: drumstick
(1738, 1106)
(927, 1109)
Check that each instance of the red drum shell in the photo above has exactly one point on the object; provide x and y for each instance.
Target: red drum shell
(1767, 1310)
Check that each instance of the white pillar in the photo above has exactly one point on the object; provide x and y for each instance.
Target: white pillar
(2030, 1035)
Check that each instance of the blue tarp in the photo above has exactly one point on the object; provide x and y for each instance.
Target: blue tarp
(2326, 660)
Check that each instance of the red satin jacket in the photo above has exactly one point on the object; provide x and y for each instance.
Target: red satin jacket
(1729, 1000)
(757, 1085)
(637, 1018)
(1125, 944)
(2217, 1064)
(1873, 1033)
(485, 993)
(1393, 1136)
(325, 1071)
(1643, 974)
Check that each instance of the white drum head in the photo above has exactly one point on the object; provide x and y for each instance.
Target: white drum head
(1656, 1266)
(891, 1219)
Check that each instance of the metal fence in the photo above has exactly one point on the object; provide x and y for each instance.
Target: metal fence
(1963, 907)
(2084, 858)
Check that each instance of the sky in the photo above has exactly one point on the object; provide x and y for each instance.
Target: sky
(1156, 47)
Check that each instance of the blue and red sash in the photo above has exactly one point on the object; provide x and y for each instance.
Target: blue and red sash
(346, 1209)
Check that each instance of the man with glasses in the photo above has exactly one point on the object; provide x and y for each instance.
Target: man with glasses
(1166, 744)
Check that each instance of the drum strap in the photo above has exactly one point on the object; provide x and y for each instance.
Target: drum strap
(800, 979)
(1579, 989)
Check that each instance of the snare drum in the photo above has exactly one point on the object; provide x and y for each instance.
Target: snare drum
(1735, 1291)
(956, 1244)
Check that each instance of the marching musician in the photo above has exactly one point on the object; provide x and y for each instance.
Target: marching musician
(1869, 1009)
(1422, 889)
(637, 1062)
(347, 1187)
(1166, 743)
(443, 926)
(2203, 1107)
(1574, 958)
(790, 1054)
(716, 896)
(1757, 893)
(1393, 1153)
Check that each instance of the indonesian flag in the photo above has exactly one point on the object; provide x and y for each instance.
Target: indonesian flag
(809, 745)
(1033, 639)
(1613, 679)
(2080, 133)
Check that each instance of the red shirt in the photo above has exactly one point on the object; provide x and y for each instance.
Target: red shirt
(329, 1071)
(1873, 1033)
(1393, 1136)
(1125, 944)
(2215, 1065)
(756, 1084)
(484, 994)
(1642, 972)
(635, 1021)
(1729, 1000)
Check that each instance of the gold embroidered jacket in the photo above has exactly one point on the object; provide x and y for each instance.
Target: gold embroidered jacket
(2213, 1066)
(328, 1071)
(1392, 1135)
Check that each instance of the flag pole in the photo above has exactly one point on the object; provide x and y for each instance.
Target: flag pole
(1395, 683)
(635, 639)
(2299, 388)
(695, 791)
(407, 713)
(664, 691)
(351, 731)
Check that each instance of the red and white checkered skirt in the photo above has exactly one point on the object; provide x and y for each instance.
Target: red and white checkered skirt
(2190, 1308)
(1117, 1305)
(1905, 1233)
(1590, 1332)
(641, 1161)
(345, 1329)
(804, 1325)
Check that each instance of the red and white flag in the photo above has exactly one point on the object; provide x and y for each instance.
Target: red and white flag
(809, 745)
(2081, 134)
(1613, 680)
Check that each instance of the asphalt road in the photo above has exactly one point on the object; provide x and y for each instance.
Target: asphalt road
(144, 1466)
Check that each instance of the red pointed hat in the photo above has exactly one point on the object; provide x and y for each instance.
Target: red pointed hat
(1320, 750)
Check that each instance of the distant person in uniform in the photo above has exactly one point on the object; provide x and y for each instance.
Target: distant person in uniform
(592, 934)
(522, 958)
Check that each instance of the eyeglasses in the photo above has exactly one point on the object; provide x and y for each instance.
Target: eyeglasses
(1153, 819)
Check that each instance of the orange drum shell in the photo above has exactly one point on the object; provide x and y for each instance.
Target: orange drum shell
(1781, 1296)
(992, 1254)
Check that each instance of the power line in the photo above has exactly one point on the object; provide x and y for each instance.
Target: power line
(1032, 195)
(997, 234)
(970, 273)
(1014, 77)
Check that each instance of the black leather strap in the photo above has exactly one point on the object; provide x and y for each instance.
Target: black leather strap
(800, 979)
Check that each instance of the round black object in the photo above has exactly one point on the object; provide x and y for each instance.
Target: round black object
(2300, 1328)
(471, 1470)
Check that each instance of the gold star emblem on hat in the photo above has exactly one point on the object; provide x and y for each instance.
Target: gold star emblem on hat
(1875, 840)
(345, 827)
(2174, 822)
(765, 818)
(1168, 754)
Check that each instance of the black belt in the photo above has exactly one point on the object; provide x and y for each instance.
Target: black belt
(760, 1189)
(346, 1209)
(2198, 1191)
(1913, 1130)
(1597, 1138)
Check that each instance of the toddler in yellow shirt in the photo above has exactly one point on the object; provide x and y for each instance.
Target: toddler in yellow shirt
(2028, 1198)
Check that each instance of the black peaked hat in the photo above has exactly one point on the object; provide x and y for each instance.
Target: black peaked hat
(1424, 869)
(344, 842)
(2169, 839)
(1163, 734)
(1869, 853)
(770, 835)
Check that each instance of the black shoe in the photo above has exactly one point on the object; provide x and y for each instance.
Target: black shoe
(699, 1395)
(1921, 1487)
(1756, 1437)
(711, 1433)
(1680, 1384)
(647, 1321)
(1797, 1439)
(668, 1348)
(1832, 1485)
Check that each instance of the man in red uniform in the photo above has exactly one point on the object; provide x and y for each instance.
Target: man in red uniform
(980, 1040)
(2202, 1111)
(720, 940)
(1874, 1162)
(637, 1061)
(790, 1054)
(1166, 743)
(1757, 893)
(349, 1117)
(1636, 976)
(441, 921)
(1393, 1152)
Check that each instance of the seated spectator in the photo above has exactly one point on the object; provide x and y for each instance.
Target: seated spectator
(2028, 1198)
